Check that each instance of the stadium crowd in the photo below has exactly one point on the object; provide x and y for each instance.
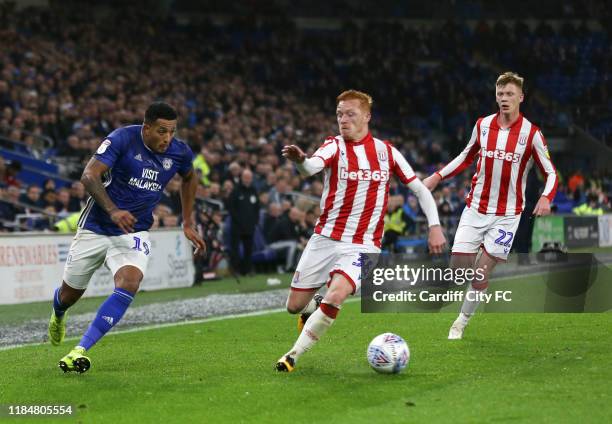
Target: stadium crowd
(246, 89)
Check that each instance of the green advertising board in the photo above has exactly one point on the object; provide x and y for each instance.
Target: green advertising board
(547, 228)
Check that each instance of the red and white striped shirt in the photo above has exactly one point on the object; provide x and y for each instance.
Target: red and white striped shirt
(356, 187)
(505, 157)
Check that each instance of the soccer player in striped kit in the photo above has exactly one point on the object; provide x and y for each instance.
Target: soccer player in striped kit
(506, 145)
(357, 170)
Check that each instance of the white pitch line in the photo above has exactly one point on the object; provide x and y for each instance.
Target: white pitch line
(171, 324)
(156, 326)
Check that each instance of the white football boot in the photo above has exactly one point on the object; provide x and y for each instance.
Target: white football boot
(456, 330)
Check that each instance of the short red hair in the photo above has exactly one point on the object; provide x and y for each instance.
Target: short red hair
(364, 99)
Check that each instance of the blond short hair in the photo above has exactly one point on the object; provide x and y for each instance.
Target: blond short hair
(510, 78)
(364, 99)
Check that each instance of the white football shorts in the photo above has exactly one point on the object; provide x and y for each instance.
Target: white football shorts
(495, 233)
(324, 257)
(89, 251)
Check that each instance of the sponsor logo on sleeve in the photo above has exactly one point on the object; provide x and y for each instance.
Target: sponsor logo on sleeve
(103, 146)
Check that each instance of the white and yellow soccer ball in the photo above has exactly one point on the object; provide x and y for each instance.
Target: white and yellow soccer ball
(388, 353)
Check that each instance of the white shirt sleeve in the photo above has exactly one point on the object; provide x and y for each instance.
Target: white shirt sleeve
(542, 159)
(321, 159)
(426, 200)
(310, 166)
(401, 167)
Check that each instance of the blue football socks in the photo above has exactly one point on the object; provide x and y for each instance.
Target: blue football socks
(108, 316)
(58, 306)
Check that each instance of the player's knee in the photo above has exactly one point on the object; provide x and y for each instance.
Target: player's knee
(337, 293)
(294, 307)
(128, 285)
(480, 284)
(291, 307)
(68, 295)
(128, 278)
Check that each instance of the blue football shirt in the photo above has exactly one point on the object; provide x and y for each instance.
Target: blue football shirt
(136, 178)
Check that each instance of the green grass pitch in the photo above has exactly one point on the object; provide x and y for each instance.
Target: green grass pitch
(509, 368)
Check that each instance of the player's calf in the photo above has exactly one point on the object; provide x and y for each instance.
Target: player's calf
(301, 301)
(312, 306)
(63, 298)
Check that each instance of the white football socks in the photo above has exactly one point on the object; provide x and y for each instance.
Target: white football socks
(313, 330)
(471, 302)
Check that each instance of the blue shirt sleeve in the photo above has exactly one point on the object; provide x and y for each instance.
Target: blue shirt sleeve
(187, 163)
(111, 148)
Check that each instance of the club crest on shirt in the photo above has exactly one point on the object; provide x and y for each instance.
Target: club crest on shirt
(484, 132)
(167, 163)
(382, 156)
(522, 139)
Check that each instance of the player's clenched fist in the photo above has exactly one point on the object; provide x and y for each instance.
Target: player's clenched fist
(436, 240)
(124, 220)
(294, 153)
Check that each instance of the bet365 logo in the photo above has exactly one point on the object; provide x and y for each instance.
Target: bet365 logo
(500, 154)
(365, 175)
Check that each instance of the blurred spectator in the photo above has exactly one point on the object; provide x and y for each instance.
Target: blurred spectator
(2, 172)
(285, 235)
(10, 174)
(243, 208)
(50, 201)
(412, 209)
(270, 219)
(78, 197)
(575, 182)
(162, 213)
(280, 192)
(63, 201)
(171, 195)
(396, 221)
(49, 184)
(8, 208)
(590, 207)
(32, 197)
(234, 171)
(201, 166)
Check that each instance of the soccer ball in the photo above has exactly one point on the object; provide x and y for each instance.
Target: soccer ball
(388, 353)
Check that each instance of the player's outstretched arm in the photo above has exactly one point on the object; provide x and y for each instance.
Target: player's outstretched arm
(188, 191)
(458, 164)
(92, 180)
(306, 166)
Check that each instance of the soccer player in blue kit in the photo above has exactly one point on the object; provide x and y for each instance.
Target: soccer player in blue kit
(125, 179)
